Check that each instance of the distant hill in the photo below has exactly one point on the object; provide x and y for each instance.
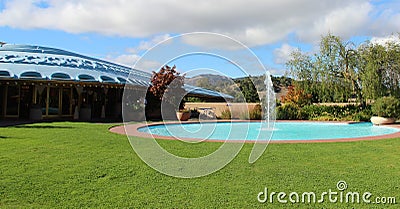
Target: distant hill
(231, 86)
(212, 79)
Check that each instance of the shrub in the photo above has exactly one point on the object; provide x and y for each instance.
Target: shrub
(335, 112)
(226, 114)
(288, 111)
(194, 99)
(194, 113)
(325, 117)
(297, 96)
(312, 111)
(324, 113)
(386, 107)
(256, 113)
(363, 115)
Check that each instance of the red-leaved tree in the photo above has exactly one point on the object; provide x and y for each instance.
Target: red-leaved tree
(167, 86)
(297, 96)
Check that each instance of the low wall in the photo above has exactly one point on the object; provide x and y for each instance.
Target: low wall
(236, 108)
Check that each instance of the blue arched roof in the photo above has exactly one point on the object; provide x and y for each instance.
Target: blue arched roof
(17, 60)
(45, 63)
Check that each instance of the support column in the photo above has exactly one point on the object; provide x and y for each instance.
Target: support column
(103, 108)
(79, 89)
(35, 112)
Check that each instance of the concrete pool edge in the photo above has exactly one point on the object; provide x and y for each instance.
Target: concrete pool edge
(132, 130)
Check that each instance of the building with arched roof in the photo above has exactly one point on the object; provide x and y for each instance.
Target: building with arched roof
(41, 82)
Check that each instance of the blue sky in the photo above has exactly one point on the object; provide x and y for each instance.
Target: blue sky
(121, 31)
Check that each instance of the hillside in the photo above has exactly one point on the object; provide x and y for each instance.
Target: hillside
(210, 78)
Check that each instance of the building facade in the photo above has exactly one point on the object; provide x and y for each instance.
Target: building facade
(44, 83)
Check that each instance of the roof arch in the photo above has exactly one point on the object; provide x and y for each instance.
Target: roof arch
(31, 75)
(122, 80)
(5, 74)
(86, 77)
(107, 79)
(60, 76)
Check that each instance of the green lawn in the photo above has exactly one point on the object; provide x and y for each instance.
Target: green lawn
(67, 164)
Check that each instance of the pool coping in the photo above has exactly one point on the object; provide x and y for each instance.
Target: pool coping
(132, 130)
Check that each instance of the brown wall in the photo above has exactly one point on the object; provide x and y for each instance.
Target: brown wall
(236, 108)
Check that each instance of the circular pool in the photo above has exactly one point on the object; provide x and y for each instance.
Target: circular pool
(281, 131)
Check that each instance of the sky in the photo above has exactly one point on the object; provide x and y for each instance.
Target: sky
(236, 34)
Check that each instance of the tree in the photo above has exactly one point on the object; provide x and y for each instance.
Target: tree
(339, 61)
(166, 86)
(340, 70)
(161, 81)
(330, 75)
(372, 65)
(248, 90)
(380, 64)
(297, 97)
(305, 74)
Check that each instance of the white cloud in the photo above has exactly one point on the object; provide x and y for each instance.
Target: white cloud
(146, 45)
(125, 59)
(277, 72)
(385, 40)
(132, 55)
(148, 65)
(282, 54)
(347, 21)
(252, 22)
(133, 60)
(387, 18)
(211, 41)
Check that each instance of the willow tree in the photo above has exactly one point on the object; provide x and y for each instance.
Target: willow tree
(306, 77)
(331, 75)
(338, 61)
(380, 69)
(392, 68)
(372, 70)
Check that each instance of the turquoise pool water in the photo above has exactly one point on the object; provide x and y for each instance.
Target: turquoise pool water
(257, 130)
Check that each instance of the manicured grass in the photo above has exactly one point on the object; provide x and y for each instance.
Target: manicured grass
(67, 164)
